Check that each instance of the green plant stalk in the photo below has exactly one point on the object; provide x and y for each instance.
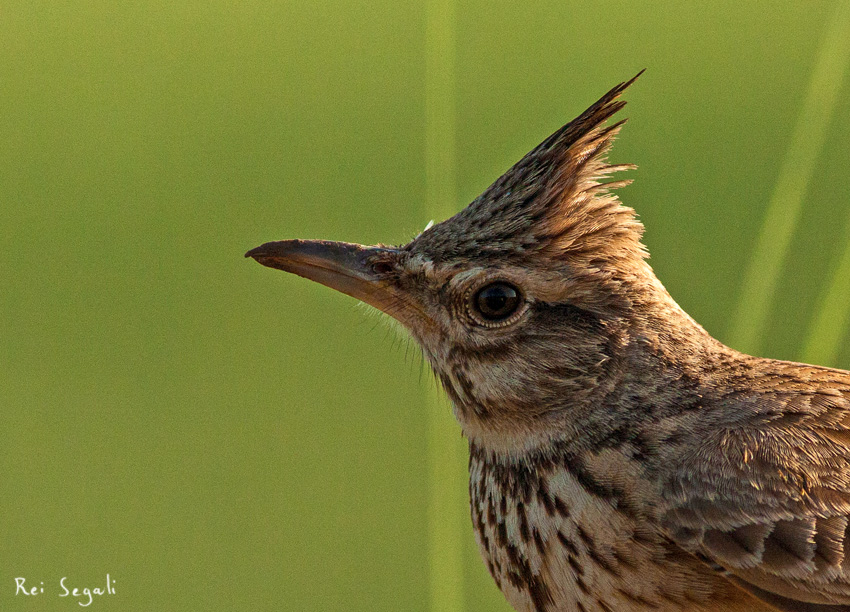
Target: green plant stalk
(447, 502)
(783, 211)
(829, 324)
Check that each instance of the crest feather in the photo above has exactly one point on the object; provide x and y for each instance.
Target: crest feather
(552, 202)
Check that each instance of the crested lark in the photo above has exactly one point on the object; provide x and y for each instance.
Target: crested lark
(621, 459)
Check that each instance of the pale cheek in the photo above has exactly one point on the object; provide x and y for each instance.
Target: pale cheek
(499, 382)
(508, 388)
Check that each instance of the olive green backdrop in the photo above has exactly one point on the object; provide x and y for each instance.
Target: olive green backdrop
(219, 436)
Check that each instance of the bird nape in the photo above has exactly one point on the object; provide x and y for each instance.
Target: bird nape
(620, 457)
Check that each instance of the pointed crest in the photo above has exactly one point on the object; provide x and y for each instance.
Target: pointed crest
(551, 203)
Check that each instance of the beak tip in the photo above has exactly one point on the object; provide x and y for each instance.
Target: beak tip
(256, 251)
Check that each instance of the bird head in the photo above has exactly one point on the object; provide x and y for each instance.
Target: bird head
(523, 302)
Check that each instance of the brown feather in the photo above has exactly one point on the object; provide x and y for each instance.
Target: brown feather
(620, 457)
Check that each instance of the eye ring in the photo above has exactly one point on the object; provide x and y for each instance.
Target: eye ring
(496, 304)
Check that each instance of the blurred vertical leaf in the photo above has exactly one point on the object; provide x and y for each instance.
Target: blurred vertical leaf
(447, 502)
(829, 325)
(783, 211)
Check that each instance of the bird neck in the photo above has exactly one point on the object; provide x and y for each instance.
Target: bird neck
(656, 363)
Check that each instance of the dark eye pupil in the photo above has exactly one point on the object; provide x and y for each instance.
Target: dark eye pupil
(497, 301)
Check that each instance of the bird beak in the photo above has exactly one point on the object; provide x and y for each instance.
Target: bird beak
(343, 266)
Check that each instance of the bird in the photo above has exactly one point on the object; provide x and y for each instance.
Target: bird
(620, 458)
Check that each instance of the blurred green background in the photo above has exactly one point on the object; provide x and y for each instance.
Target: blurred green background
(219, 436)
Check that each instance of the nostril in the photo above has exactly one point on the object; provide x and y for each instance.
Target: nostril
(382, 267)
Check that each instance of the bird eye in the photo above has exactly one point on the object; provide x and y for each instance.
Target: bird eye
(496, 301)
